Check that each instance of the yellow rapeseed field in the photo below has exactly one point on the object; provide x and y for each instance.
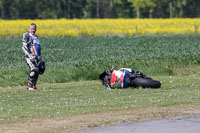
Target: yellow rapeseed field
(90, 27)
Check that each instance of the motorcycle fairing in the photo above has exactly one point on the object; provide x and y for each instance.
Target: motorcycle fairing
(119, 79)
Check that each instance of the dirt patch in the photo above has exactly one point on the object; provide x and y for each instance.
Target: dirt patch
(86, 121)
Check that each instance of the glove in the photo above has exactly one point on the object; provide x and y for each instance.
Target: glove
(31, 57)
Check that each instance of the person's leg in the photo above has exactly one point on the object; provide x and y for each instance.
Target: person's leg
(33, 75)
(32, 79)
(35, 82)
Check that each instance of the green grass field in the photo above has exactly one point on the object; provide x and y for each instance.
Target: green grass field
(57, 100)
(70, 87)
(69, 59)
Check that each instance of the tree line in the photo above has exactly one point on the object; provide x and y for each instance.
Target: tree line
(55, 9)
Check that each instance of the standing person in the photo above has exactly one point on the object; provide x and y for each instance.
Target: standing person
(32, 50)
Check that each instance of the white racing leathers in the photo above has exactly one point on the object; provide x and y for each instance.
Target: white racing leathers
(32, 50)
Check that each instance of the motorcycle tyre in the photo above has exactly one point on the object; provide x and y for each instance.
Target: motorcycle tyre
(145, 83)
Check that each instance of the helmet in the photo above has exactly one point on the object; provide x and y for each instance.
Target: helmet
(42, 67)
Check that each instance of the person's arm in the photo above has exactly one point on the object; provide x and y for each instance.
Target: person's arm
(25, 43)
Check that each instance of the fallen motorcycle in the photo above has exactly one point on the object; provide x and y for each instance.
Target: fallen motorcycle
(126, 77)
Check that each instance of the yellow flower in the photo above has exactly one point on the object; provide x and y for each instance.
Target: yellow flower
(90, 27)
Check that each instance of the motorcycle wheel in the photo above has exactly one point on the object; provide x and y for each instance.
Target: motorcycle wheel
(145, 83)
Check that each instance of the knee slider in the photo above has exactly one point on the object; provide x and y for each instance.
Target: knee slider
(34, 73)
